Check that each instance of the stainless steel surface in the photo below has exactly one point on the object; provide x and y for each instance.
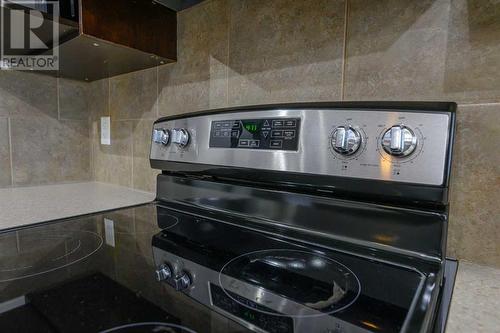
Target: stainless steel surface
(180, 136)
(411, 233)
(163, 272)
(315, 155)
(162, 136)
(399, 140)
(205, 276)
(346, 140)
(182, 282)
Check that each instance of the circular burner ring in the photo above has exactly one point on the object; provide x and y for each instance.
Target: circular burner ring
(55, 237)
(118, 328)
(97, 237)
(290, 315)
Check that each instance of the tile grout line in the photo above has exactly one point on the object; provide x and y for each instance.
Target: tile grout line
(132, 147)
(132, 157)
(108, 109)
(344, 51)
(228, 52)
(57, 96)
(91, 136)
(9, 128)
(157, 91)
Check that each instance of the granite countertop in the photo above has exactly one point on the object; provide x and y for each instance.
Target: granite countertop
(476, 300)
(21, 206)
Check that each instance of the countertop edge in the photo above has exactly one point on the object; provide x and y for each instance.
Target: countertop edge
(27, 206)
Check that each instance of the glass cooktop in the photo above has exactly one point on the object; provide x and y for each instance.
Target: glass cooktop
(97, 274)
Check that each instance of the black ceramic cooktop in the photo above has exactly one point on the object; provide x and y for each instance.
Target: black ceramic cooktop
(93, 274)
(96, 274)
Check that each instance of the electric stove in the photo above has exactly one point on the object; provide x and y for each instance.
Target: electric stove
(309, 217)
(318, 217)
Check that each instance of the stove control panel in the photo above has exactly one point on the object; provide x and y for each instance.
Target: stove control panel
(268, 133)
(408, 146)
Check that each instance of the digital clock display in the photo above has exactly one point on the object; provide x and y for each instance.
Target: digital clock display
(251, 127)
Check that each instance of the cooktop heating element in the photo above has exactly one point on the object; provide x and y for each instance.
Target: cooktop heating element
(318, 217)
(43, 251)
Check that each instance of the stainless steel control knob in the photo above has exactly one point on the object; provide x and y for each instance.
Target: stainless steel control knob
(164, 272)
(345, 140)
(161, 136)
(399, 140)
(180, 136)
(182, 282)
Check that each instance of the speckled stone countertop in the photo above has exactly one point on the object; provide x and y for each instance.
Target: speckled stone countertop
(475, 306)
(28, 205)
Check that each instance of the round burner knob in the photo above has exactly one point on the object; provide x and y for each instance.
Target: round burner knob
(345, 140)
(399, 140)
(163, 273)
(182, 282)
(161, 135)
(180, 136)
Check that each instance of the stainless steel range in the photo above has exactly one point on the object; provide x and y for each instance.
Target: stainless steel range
(327, 217)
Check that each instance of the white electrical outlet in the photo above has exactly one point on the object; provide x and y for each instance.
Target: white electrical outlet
(105, 130)
(109, 232)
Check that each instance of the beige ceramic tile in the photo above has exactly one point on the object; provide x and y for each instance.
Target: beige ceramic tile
(144, 177)
(197, 81)
(285, 51)
(45, 150)
(133, 95)
(113, 163)
(472, 51)
(5, 175)
(474, 228)
(423, 50)
(98, 95)
(73, 99)
(27, 94)
(396, 50)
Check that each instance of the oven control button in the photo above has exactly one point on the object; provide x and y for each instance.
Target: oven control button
(399, 140)
(161, 135)
(163, 273)
(345, 140)
(181, 282)
(180, 136)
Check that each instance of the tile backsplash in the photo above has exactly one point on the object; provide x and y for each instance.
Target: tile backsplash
(44, 130)
(240, 52)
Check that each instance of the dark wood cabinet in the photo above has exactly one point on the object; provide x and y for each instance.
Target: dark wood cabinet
(103, 38)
